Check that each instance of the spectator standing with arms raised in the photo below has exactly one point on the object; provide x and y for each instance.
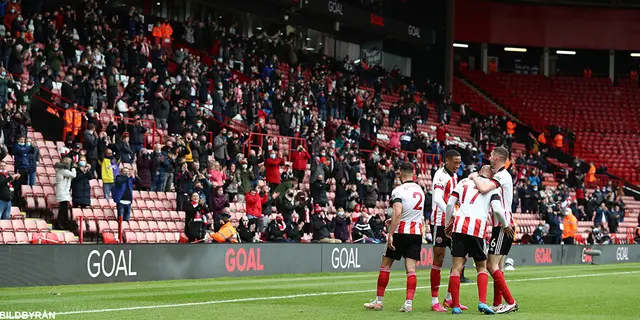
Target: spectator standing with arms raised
(80, 186)
(123, 192)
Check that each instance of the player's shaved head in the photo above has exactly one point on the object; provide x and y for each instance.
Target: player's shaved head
(486, 172)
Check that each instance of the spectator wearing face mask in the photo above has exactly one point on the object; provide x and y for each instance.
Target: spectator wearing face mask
(287, 204)
(318, 169)
(294, 228)
(300, 158)
(319, 191)
(254, 204)
(21, 158)
(246, 232)
(245, 175)
(124, 149)
(218, 202)
(123, 192)
(80, 186)
(341, 225)
(64, 174)
(277, 230)
(272, 169)
(220, 151)
(33, 157)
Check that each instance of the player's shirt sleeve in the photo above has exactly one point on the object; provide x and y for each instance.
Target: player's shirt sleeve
(439, 182)
(456, 191)
(496, 180)
(395, 197)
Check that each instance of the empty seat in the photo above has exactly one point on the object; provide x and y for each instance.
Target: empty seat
(133, 225)
(162, 226)
(160, 238)
(8, 237)
(170, 237)
(21, 237)
(70, 237)
(130, 237)
(172, 226)
(103, 226)
(144, 226)
(151, 237)
(18, 225)
(6, 225)
(42, 226)
(153, 226)
(30, 225)
(141, 237)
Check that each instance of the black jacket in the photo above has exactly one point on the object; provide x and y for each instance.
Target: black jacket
(81, 189)
(274, 231)
(6, 183)
(321, 227)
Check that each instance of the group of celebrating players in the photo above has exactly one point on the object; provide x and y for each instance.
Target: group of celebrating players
(461, 211)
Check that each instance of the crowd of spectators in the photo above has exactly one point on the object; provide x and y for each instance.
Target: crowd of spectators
(105, 62)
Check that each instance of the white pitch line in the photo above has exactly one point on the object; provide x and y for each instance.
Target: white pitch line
(319, 294)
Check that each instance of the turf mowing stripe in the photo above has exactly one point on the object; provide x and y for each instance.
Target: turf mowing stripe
(319, 294)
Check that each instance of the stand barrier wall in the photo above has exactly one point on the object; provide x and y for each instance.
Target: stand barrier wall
(43, 265)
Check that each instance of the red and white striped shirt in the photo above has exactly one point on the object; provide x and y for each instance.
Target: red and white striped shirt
(473, 215)
(504, 183)
(412, 197)
(446, 181)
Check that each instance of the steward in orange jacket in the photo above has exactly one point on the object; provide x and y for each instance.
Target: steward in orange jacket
(227, 232)
(156, 32)
(569, 227)
(511, 127)
(73, 121)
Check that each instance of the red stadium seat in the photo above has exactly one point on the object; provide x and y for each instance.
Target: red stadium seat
(160, 238)
(9, 237)
(18, 225)
(151, 237)
(21, 237)
(6, 225)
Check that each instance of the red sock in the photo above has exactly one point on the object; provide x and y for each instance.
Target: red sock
(498, 280)
(435, 280)
(412, 282)
(497, 294)
(483, 281)
(454, 288)
(383, 281)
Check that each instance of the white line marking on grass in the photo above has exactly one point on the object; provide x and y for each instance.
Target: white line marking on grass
(318, 294)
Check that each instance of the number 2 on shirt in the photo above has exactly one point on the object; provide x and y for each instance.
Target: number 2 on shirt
(418, 205)
(464, 193)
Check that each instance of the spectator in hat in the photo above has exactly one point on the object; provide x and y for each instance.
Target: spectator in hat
(277, 230)
(21, 158)
(137, 131)
(64, 174)
(362, 232)
(322, 227)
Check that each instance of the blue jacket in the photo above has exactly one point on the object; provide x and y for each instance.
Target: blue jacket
(20, 156)
(122, 182)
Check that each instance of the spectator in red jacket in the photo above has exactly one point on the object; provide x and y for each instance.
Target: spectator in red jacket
(300, 158)
(441, 132)
(254, 207)
(272, 166)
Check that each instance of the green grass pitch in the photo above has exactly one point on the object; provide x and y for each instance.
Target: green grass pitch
(565, 292)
